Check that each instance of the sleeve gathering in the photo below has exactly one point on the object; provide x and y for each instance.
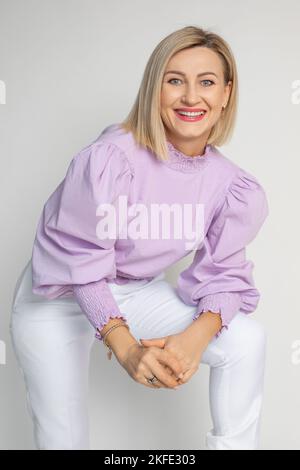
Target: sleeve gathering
(72, 254)
(220, 278)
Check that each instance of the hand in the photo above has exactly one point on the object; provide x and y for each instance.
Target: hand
(144, 362)
(185, 346)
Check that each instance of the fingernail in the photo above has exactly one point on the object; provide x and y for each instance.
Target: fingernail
(180, 376)
(175, 388)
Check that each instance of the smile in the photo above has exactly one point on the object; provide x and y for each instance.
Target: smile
(189, 116)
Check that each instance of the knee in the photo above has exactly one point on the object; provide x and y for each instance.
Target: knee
(254, 336)
(248, 337)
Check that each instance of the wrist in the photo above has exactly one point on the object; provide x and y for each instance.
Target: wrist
(111, 322)
(119, 341)
(206, 326)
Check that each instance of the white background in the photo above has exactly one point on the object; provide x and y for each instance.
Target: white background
(73, 67)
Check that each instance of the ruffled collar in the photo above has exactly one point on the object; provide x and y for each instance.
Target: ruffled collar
(179, 161)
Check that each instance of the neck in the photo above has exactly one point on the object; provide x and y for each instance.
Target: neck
(191, 148)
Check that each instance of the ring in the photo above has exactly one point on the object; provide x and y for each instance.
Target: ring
(152, 380)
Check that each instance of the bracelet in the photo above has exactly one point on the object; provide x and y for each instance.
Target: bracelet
(109, 353)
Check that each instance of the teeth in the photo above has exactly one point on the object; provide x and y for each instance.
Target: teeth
(184, 113)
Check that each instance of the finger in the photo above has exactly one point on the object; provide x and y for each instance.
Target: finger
(169, 360)
(179, 381)
(144, 374)
(158, 342)
(160, 372)
(188, 374)
(170, 371)
(156, 384)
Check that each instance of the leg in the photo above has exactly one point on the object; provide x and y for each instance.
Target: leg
(236, 359)
(237, 364)
(52, 342)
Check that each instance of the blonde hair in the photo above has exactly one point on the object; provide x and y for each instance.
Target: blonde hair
(144, 119)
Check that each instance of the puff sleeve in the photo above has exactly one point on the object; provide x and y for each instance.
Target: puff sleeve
(220, 278)
(69, 257)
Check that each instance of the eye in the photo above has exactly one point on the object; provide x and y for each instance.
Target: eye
(172, 79)
(210, 81)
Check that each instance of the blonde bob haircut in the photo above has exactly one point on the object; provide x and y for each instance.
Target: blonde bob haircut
(144, 119)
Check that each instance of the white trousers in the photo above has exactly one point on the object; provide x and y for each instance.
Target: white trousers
(52, 341)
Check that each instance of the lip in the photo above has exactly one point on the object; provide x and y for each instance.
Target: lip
(191, 110)
(188, 118)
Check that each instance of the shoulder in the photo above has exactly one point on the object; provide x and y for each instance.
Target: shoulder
(244, 201)
(231, 175)
(242, 194)
(114, 135)
(108, 150)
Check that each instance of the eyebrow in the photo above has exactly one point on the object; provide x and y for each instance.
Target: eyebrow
(181, 73)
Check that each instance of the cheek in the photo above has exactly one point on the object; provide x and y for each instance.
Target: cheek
(168, 97)
(215, 99)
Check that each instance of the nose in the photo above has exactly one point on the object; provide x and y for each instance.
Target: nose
(191, 96)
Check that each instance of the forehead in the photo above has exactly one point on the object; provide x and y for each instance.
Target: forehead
(195, 60)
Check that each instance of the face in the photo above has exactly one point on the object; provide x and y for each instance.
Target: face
(199, 86)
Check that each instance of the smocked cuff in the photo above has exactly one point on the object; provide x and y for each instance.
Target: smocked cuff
(227, 304)
(98, 304)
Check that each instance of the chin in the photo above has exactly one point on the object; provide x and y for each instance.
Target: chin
(190, 133)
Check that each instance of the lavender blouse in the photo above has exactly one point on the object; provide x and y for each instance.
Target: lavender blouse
(72, 257)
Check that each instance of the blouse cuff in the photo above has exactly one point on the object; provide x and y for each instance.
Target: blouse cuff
(227, 304)
(98, 303)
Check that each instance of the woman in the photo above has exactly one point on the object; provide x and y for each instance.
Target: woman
(164, 154)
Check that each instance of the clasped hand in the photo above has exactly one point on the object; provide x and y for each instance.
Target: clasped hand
(185, 347)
